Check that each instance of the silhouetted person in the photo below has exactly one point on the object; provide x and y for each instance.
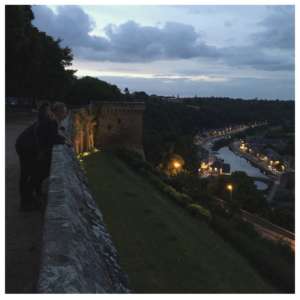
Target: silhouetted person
(34, 147)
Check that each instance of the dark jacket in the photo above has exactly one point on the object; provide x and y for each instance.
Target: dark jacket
(47, 135)
(39, 137)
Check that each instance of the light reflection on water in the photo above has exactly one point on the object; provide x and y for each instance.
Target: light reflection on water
(260, 185)
(238, 163)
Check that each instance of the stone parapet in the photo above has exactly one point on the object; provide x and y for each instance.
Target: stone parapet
(78, 255)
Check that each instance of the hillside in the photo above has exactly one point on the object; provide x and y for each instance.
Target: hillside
(161, 247)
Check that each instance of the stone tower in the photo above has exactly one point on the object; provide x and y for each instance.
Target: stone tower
(120, 124)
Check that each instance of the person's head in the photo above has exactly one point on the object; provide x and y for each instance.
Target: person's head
(44, 112)
(59, 110)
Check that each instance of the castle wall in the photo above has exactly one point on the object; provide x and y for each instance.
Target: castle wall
(108, 125)
(120, 124)
(78, 255)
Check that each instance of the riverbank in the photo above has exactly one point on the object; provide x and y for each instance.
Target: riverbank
(234, 147)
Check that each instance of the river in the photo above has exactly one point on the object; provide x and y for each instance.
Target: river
(238, 163)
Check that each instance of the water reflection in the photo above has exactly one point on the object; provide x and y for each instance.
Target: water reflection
(238, 163)
(260, 185)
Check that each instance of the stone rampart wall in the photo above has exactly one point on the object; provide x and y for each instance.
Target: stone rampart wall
(77, 254)
(108, 125)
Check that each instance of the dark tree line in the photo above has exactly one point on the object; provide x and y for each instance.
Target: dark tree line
(35, 63)
(87, 89)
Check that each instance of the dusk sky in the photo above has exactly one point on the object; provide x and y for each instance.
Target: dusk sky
(234, 51)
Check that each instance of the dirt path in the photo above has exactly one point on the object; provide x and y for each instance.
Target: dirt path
(22, 229)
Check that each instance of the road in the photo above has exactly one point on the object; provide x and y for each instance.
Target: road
(23, 230)
(265, 227)
(269, 230)
(207, 142)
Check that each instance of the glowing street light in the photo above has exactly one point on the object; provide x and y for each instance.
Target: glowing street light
(176, 164)
(229, 187)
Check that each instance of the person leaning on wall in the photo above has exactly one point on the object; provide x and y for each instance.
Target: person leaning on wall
(34, 148)
(60, 112)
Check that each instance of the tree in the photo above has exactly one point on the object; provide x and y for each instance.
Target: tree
(87, 89)
(35, 62)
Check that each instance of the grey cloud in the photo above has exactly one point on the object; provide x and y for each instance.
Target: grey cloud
(278, 29)
(256, 58)
(132, 42)
(70, 23)
(228, 24)
(124, 43)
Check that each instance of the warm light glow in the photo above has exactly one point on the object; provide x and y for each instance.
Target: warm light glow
(229, 187)
(176, 164)
(204, 165)
(85, 154)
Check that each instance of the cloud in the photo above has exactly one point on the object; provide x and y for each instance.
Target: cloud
(228, 24)
(127, 42)
(69, 23)
(269, 49)
(257, 58)
(278, 29)
(131, 41)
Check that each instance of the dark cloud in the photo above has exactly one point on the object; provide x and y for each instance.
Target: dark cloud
(278, 29)
(71, 24)
(132, 42)
(128, 42)
(257, 58)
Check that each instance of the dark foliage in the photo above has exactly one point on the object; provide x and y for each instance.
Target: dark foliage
(88, 89)
(274, 261)
(35, 63)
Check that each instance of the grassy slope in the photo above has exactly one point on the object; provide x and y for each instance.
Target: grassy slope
(161, 247)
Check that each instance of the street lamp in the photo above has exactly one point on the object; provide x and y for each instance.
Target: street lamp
(229, 187)
(176, 164)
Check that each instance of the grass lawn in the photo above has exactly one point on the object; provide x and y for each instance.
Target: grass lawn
(161, 247)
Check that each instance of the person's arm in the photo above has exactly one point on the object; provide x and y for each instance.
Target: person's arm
(54, 136)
